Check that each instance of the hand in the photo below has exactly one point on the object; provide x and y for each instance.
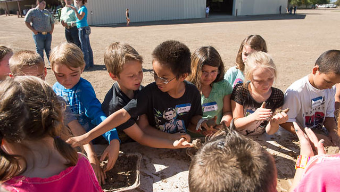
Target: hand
(178, 136)
(305, 139)
(97, 169)
(209, 124)
(63, 24)
(35, 31)
(182, 143)
(73, 8)
(111, 152)
(261, 114)
(334, 137)
(78, 141)
(279, 118)
(51, 32)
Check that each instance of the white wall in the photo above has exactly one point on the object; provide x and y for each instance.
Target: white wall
(259, 7)
(113, 11)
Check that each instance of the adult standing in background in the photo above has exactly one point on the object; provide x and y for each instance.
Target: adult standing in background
(127, 15)
(84, 32)
(68, 19)
(42, 27)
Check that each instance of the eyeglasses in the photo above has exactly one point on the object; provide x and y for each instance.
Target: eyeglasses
(213, 73)
(163, 80)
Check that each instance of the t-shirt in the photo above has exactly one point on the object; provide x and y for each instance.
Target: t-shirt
(84, 105)
(68, 16)
(114, 100)
(213, 105)
(80, 178)
(241, 95)
(168, 114)
(234, 76)
(83, 22)
(321, 175)
(308, 105)
(42, 20)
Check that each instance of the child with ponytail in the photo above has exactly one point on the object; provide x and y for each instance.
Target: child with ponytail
(33, 156)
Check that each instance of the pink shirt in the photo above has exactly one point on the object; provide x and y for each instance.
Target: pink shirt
(321, 174)
(77, 178)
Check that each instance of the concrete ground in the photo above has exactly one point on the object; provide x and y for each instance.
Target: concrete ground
(294, 41)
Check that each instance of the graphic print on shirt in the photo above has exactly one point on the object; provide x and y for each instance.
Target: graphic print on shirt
(259, 127)
(237, 81)
(315, 117)
(168, 120)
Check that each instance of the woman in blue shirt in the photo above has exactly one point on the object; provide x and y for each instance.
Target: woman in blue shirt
(84, 32)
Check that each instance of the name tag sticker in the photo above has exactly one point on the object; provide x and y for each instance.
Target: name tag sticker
(183, 108)
(212, 106)
(317, 101)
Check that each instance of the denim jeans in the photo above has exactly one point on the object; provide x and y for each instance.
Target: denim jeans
(84, 37)
(71, 35)
(43, 42)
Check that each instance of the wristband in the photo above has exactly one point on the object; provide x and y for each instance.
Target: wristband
(198, 126)
(302, 161)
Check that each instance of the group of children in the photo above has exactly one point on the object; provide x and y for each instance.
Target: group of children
(191, 96)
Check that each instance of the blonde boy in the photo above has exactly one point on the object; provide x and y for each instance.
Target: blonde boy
(30, 63)
(5, 54)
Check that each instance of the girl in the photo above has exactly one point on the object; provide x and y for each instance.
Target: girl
(250, 44)
(84, 32)
(127, 15)
(207, 74)
(250, 117)
(33, 156)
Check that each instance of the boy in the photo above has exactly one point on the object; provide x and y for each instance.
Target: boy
(5, 54)
(232, 162)
(30, 63)
(311, 99)
(171, 65)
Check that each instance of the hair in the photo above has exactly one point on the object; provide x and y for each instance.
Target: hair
(117, 54)
(84, 1)
(258, 60)
(30, 111)
(39, 1)
(205, 56)
(25, 58)
(255, 42)
(231, 162)
(329, 61)
(173, 55)
(67, 54)
(4, 51)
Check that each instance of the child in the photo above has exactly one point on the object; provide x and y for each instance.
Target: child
(311, 99)
(127, 15)
(231, 162)
(207, 10)
(171, 66)
(250, 117)
(5, 55)
(207, 74)
(250, 44)
(30, 63)
(315, 172)
(33, 156)
(68, 63)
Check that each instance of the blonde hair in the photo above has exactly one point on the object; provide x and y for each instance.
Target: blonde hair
(30, 111)
(258, 60)
(25, 58)
(117, 54)
(67, 54)
(205, 56)
(4, 51)
(255, 42)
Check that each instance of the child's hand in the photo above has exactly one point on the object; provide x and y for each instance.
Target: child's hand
(262, 114)
(111, 152)
(209, 124)
(73, 8)
(97, 169)
(78, 141)
(182, 143)
(334, 137)
(279, 118)
(178, 136)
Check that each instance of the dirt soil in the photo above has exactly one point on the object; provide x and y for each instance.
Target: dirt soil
(294, 41)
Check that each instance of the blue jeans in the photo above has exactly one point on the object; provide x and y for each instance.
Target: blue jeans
(43, 42)
(84, 37)
(71, 35)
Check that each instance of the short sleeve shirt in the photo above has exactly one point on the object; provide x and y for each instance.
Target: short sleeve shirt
(41, 20)
(213, 105)
(83, 22)
(68, 16)
(241, 95)
(234, 76)
(168, 114)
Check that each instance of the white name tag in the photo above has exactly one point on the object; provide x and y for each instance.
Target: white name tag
(183, 108)
(212, 106)
(317, 101)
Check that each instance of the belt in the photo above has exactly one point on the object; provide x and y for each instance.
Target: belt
(71, 26)
(44, 33)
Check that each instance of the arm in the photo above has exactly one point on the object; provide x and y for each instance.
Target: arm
(289, 127)
(227, 115)
(28, 24)
(111, 152)
(79, 16)
(273, 124)
(52, 28)
(330, 125)
(337, 100)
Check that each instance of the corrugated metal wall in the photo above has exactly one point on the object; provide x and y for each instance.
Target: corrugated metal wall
(113, 11)
(259, 7)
